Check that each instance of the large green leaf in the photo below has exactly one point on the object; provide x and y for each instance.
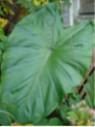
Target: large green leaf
(43, 62)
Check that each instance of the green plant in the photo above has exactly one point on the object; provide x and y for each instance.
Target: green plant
(43, 62)
(3, 39)
(90, 90)
(51, 122)
(65, 107)
(81, 114)
(8, 113)
(1, 12)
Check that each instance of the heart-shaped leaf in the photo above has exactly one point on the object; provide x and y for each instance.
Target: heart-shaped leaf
(43, 62)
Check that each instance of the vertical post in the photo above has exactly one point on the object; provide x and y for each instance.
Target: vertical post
(68, 14)
(76, 8)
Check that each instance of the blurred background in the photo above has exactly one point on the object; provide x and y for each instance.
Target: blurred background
(78, 11)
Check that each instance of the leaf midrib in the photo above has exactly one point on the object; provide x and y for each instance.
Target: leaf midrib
(38, 75)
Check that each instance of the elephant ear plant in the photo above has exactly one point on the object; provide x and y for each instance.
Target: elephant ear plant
(43, 62)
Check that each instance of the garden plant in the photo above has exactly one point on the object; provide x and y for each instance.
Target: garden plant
(42, 64)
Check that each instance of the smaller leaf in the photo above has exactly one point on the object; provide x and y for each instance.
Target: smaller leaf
(90, 89)
(3, 22)
(1, 12)
(8, 113)
(52, 122)
(73, 115)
